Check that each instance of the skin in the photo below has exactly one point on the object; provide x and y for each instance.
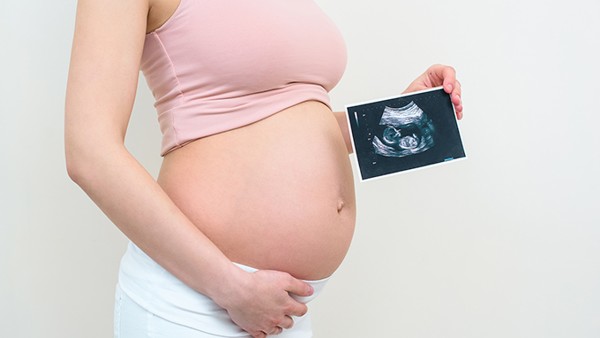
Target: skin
(103, 75)
(284, 177)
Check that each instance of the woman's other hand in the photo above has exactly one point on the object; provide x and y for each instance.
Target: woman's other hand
(261, 303)
(440, 75)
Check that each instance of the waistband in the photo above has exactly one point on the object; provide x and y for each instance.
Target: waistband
(317, 285)
(158, 291)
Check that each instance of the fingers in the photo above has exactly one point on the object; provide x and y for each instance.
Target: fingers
(275, 331)
(287, 323)
(448, 76)
(299, 287)
(456, 97)
(267, 305)
(297, 309)
(451, 86)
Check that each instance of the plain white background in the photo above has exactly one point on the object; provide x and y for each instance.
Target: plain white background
(504, 244)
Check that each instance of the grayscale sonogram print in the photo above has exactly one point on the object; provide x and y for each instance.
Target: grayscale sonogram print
(407, 131)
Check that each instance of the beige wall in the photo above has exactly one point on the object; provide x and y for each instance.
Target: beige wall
(504, 244)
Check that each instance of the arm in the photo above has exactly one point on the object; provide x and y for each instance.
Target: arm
(342, 121)
(107, 47)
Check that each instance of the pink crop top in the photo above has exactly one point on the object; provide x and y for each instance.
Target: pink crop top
(216, 65)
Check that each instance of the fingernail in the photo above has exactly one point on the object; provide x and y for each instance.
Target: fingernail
(449, 87)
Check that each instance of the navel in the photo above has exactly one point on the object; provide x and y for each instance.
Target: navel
(340, 206)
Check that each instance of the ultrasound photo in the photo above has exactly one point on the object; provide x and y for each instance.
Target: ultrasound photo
(404, 133)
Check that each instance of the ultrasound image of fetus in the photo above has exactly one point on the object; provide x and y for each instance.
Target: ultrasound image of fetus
(404, 131)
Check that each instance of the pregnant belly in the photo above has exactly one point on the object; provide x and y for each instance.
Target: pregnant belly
(277, 194)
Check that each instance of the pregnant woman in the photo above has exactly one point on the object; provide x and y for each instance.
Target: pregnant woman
(253, 208)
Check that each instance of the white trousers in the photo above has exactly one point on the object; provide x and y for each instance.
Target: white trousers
(133, 321)
(152, 303)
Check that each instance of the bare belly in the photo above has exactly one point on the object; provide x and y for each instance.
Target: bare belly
(277, 194)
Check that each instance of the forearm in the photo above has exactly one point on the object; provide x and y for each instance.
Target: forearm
(138, 206)
(340, 116)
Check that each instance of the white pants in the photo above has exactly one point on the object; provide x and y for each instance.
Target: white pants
(152, 303)
(133, 321)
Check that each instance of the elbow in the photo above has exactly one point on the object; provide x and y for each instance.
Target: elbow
(73, 173)
(79, 161)
(87, 161)
(74, 166)
(85, 152)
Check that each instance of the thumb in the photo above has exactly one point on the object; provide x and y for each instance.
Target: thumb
(299, 288)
